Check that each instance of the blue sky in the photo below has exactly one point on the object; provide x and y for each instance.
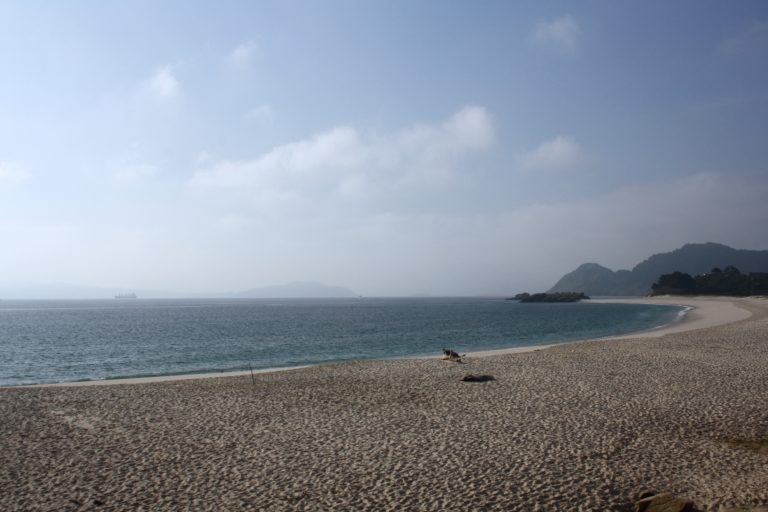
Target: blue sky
(390, 147)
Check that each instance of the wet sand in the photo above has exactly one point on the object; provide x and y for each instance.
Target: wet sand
(581, 426)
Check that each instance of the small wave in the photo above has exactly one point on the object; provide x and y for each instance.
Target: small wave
(680, 315)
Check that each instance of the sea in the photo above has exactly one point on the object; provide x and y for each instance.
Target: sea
(80, 340)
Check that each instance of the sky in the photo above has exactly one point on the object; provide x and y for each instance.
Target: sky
(390, 147)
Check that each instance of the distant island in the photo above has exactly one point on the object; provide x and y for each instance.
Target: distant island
(125, 296)
(693, 259)
(550, 297)
(728, 281)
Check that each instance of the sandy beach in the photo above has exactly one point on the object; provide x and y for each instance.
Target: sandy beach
(582, 426)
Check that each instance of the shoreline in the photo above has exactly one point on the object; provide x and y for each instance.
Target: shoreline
(704, 312)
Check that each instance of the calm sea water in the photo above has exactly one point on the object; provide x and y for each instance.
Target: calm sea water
(57, 341)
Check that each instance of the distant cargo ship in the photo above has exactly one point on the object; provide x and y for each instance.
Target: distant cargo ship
(125, 296)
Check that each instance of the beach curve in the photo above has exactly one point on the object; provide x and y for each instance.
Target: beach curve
(580, 426)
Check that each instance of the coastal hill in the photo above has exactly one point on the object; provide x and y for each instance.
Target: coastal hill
(594, 279)
(299, 289)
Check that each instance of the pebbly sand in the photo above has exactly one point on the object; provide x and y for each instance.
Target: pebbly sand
(582, 426)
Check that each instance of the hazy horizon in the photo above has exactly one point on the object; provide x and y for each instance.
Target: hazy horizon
(294, 289)
(390, 148)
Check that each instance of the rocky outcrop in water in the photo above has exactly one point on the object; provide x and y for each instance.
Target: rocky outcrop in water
(550, 297)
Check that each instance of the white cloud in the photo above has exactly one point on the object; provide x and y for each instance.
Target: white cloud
(164, 83)
(558, 153)
(263, 114)
(242, 55)
(561, 34)
(135, 172)
(346, 162)
(336, 149)
(11, 173)
(470, 127)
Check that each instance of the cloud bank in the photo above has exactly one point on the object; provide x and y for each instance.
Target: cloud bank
(346, 162)
(530, 247)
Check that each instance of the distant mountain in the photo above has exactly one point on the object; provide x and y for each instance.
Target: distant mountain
(303, 290)
(594, 279)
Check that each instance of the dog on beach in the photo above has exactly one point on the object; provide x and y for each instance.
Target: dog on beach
(450, 355)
